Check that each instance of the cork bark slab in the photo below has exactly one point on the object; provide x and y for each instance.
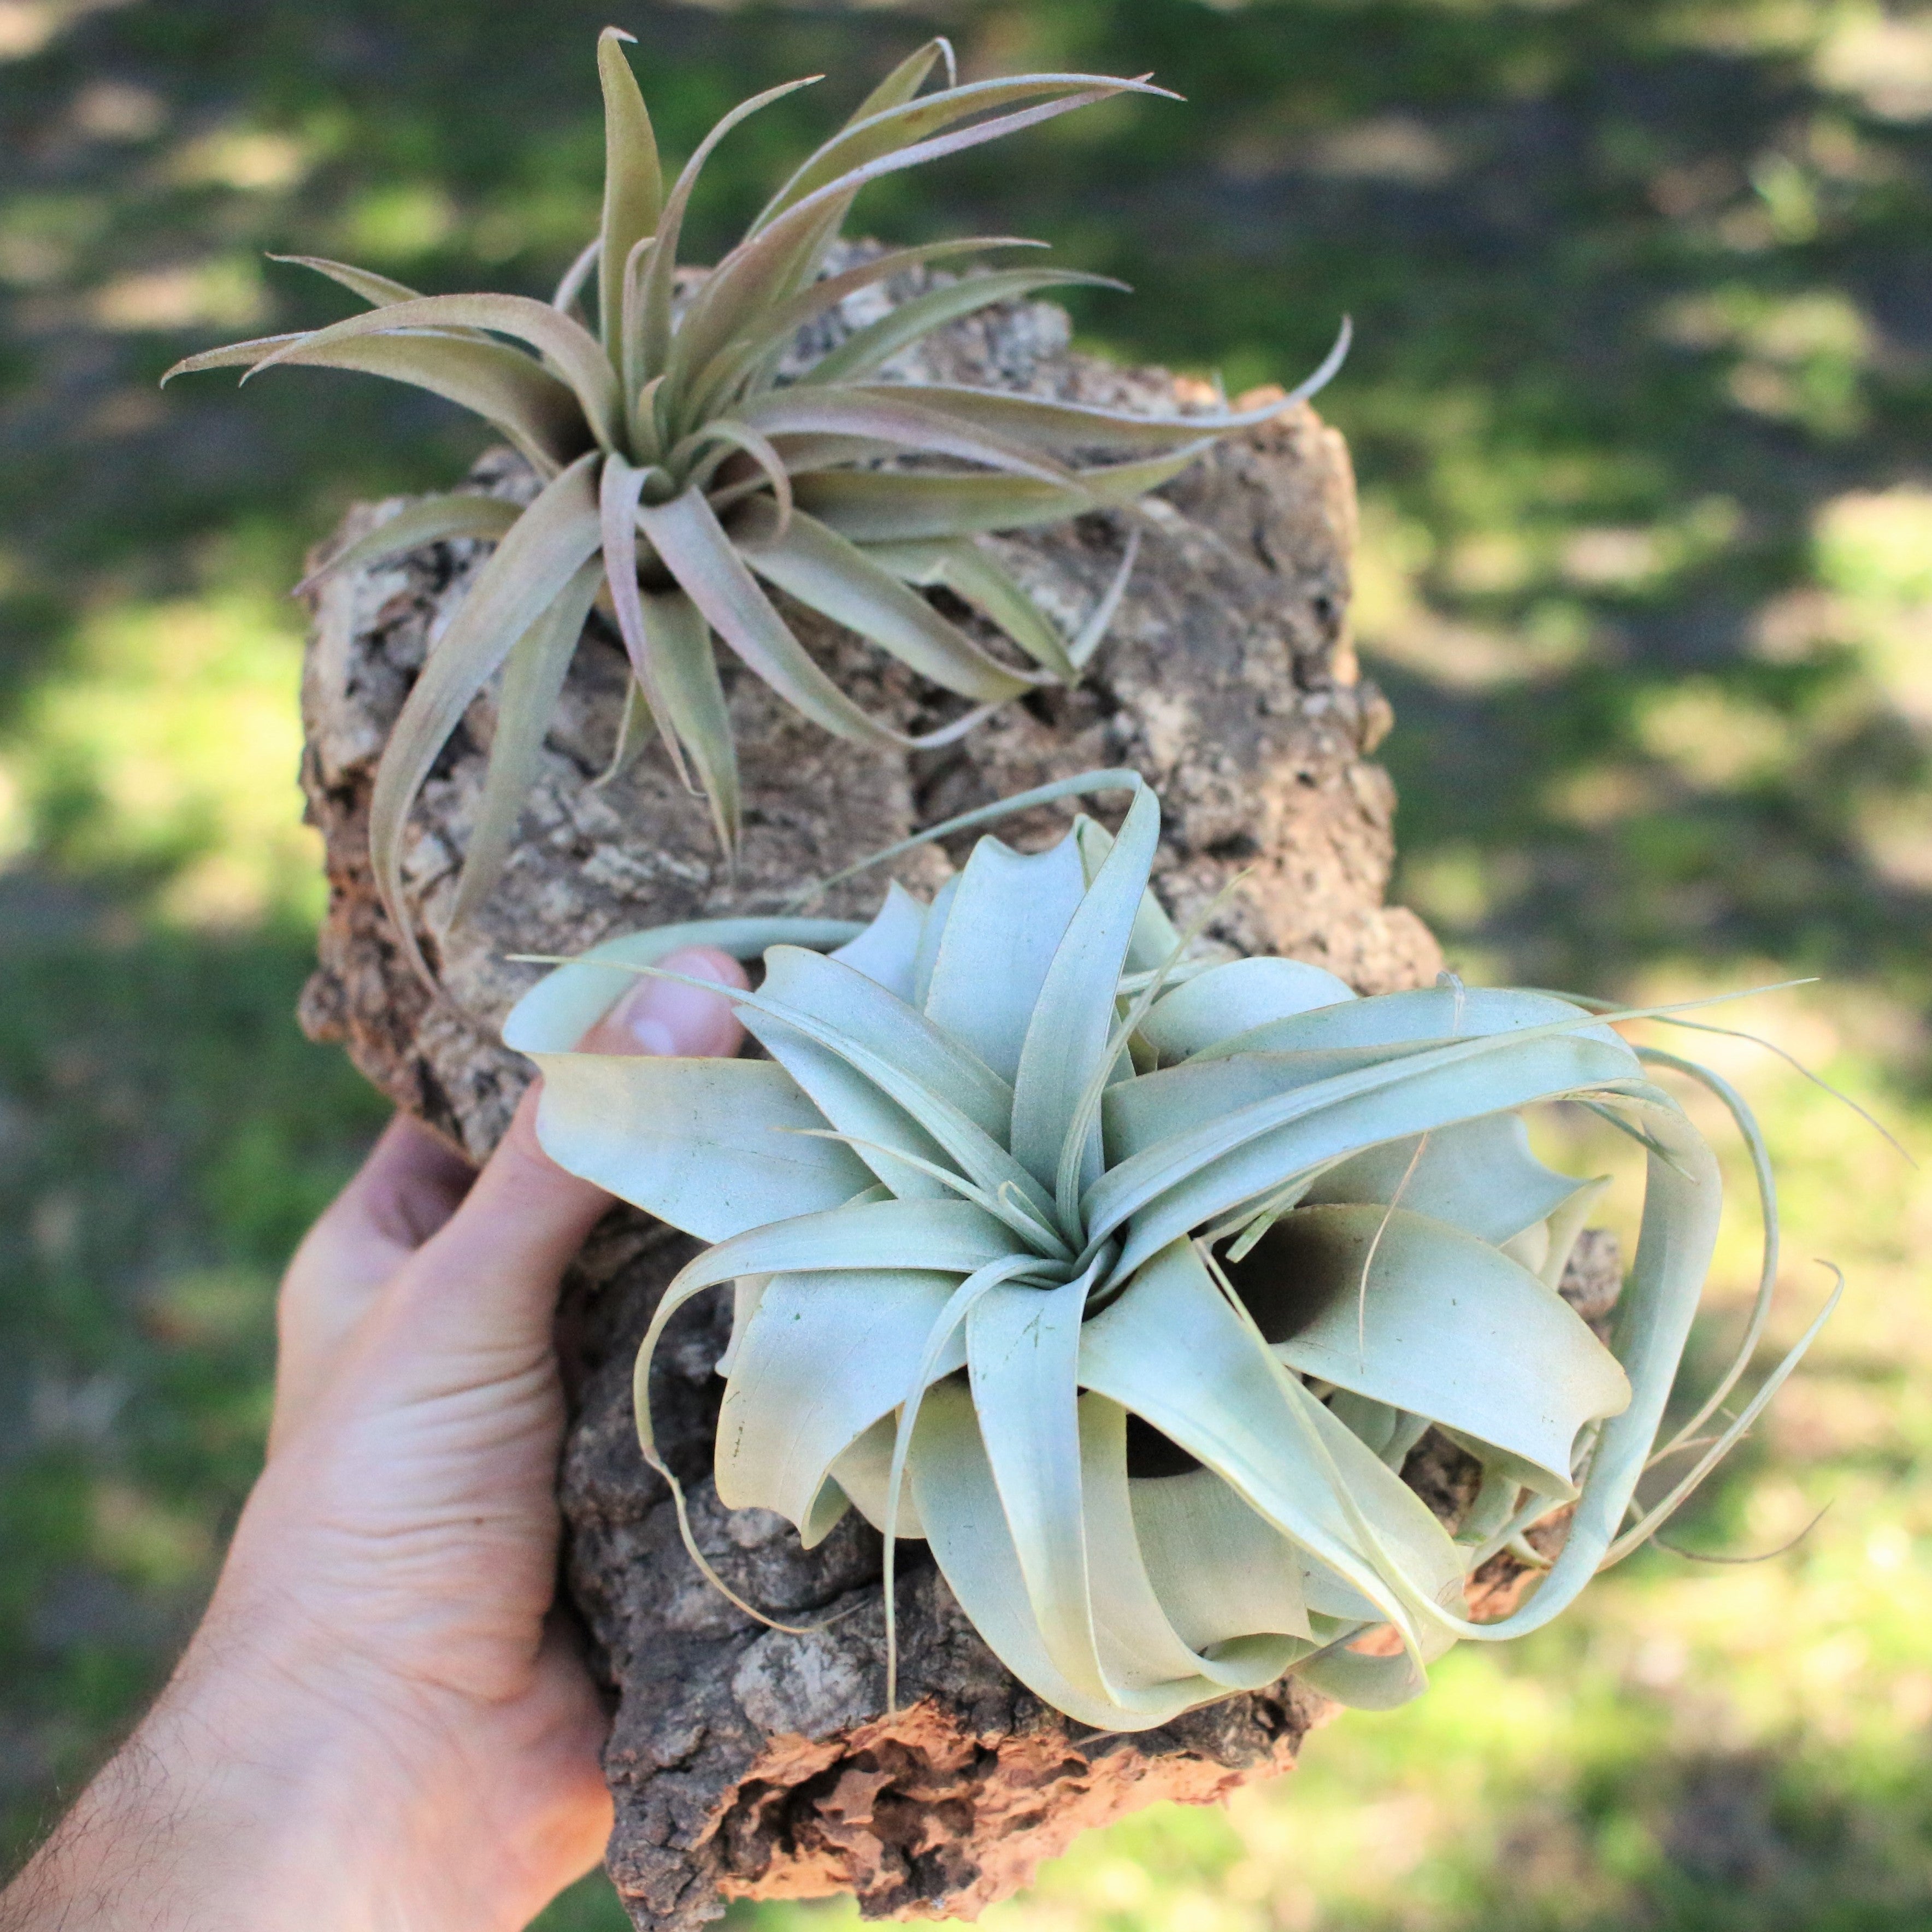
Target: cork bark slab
(744, 1761)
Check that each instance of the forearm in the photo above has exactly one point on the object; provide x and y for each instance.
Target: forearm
(236, 1804)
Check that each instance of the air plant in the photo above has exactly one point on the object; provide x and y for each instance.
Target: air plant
(1128, 1282)
(681, 478)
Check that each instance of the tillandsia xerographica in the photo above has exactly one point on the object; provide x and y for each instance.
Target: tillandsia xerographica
(682, 477)
(1128, 1282)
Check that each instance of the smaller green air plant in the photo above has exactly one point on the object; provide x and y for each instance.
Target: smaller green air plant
(681, 476)
(1129, 1283)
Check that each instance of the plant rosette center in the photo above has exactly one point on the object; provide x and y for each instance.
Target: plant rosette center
(1128, 1281)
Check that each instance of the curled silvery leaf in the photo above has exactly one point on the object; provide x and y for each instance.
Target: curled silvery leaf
(1127, 1282)
(683, 482)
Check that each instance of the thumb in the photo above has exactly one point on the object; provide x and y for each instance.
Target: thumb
(493, 1269)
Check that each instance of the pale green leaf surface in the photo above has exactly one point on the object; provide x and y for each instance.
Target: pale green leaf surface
(1426, 1017)
(1022, 1348)
(1186, 1177)
(1365, 1683)
(711, 1146)
(1068, 1035)
(959, 1506)
(1479, 1175)
(878, 1126)
(1140, 1648)
(1171, 1349)
(892, 1032)
(825, 1356)
(939, 916)
(1222, 1570)
(864, 1473)
(1229, 999)
(946, 1237)
(1448, 1327)
(1008, 916)
(888, 948)
(1152, 944)
(563, 1006)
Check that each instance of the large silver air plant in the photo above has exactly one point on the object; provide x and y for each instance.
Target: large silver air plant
(683, 481)
(1128, 1284)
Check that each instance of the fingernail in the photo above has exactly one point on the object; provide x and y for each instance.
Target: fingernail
(667, 1017)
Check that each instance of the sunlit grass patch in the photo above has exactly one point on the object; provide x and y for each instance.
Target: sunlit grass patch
(162, 756)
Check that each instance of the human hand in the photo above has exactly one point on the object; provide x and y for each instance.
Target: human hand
(380, 1722)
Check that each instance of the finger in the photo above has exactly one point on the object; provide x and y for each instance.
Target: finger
(492, 1272)
(410, 1184)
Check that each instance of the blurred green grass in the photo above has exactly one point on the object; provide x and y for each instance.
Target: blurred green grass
(1640, 404)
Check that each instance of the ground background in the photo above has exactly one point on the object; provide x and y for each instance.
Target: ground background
(1641, 403)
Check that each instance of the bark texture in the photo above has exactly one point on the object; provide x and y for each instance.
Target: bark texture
(747, 1762)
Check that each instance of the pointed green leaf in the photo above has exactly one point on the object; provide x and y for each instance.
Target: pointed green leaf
(767, 332)
(974, 575)
(524, 576)
(660, 279)
(880, 414)
(838, 581)
(688, 536)
(570, 348)
(891, 1033)
(864, 350)
(887, 506)
(520, 397)
(680, 642)
(378, 291)
(1009, 913)
(426, 520)
(533, 679)
(1034, 423)
(1068, 1036)
(633, 184)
